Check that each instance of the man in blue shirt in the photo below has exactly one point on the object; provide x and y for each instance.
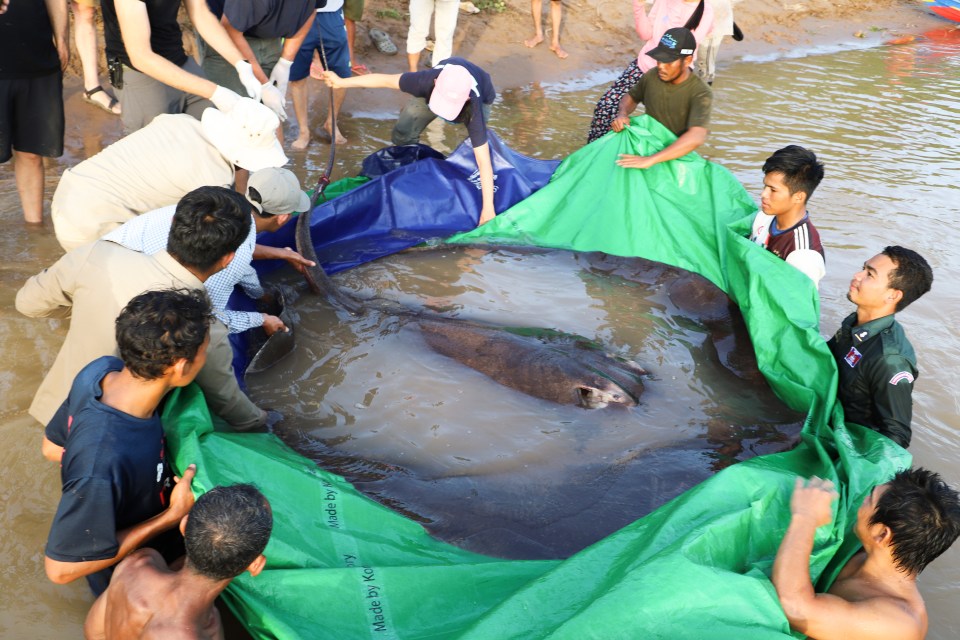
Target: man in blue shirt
(118, 490)
(268, 33)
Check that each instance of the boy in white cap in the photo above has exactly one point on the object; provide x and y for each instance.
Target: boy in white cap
(159, 164)
(274, 195)
(457, 91)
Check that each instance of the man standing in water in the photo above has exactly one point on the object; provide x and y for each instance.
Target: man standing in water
(672, 95)
(94, 282)
(118, 491)
(903, 525)
(876, 361)
(225, 534)
(783, 226)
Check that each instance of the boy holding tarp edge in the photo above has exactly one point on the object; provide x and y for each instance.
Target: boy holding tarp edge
(118, 489)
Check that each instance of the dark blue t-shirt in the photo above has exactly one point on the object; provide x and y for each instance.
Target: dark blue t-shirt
(421, 83)
(114, 470)
(264, 18)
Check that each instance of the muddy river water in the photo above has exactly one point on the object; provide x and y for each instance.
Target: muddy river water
(884, 121)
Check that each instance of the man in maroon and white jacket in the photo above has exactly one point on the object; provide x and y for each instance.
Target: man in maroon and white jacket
(783, 225)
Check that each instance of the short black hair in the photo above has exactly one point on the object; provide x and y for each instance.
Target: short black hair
(912, 277)
(800, 168)
(157, 328)
(228, 527)
(209, 223)
(923, 514)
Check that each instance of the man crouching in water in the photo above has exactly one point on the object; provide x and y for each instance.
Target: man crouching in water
(225, 534)
(903, 525)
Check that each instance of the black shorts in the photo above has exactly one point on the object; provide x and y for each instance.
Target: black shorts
(31, 115)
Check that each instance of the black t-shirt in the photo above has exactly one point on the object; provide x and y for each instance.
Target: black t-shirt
(165, 37)
(264, 18)
(421, 83)
(26, 41)
(114, 470)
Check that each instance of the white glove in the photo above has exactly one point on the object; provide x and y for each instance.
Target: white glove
(272, 98)
(280, 76)
(224, 99)
(247, 79)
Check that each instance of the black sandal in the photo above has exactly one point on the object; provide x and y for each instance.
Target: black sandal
(88, 97)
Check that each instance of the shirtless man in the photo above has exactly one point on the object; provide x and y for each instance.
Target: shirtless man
(903, 525)
(225, 534)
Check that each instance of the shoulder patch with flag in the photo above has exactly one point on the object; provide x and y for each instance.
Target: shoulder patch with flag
(903, 375)
(853, 357)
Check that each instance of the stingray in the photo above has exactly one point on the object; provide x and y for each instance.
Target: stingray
(556, 366)
(554, 512)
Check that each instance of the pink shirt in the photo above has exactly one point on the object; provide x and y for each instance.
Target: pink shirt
(666, 14)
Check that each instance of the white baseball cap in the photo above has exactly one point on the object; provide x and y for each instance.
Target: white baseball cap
(246, 135)
(277, 191)
(451, 91)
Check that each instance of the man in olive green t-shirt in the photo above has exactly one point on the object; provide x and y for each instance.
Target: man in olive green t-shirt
(672, 95)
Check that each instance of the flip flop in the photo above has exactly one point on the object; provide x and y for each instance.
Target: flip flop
(88, 97)
(359, 70)
(468, 7)
(383, 43)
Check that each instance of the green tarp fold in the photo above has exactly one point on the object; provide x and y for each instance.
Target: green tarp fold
(342, 566)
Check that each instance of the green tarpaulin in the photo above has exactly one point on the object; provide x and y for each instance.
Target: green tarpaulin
(342, 566)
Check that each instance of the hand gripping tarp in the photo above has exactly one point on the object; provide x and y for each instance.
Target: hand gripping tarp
(341, 566)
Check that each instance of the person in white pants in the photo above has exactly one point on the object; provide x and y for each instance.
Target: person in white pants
(444, 24)
(710, 45)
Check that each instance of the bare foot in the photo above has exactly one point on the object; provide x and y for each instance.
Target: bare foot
(340, 138)
(301, 142)
(534, 41)
(557, 49)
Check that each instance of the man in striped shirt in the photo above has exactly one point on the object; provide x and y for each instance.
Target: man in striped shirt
(783, 225)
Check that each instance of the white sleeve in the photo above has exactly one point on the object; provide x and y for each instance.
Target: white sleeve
(810, 262)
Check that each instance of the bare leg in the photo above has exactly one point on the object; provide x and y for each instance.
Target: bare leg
(556, 12)
(338, 96)
(535, 8)
(28, 171)
(86, 37)
(351, 34)
(413, 59)
(298, 92)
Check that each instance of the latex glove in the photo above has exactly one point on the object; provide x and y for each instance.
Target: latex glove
(280, 76)
(272, 98)
(247, 79)
(224, 99)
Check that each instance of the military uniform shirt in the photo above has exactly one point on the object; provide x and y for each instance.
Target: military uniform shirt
(877, 369)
